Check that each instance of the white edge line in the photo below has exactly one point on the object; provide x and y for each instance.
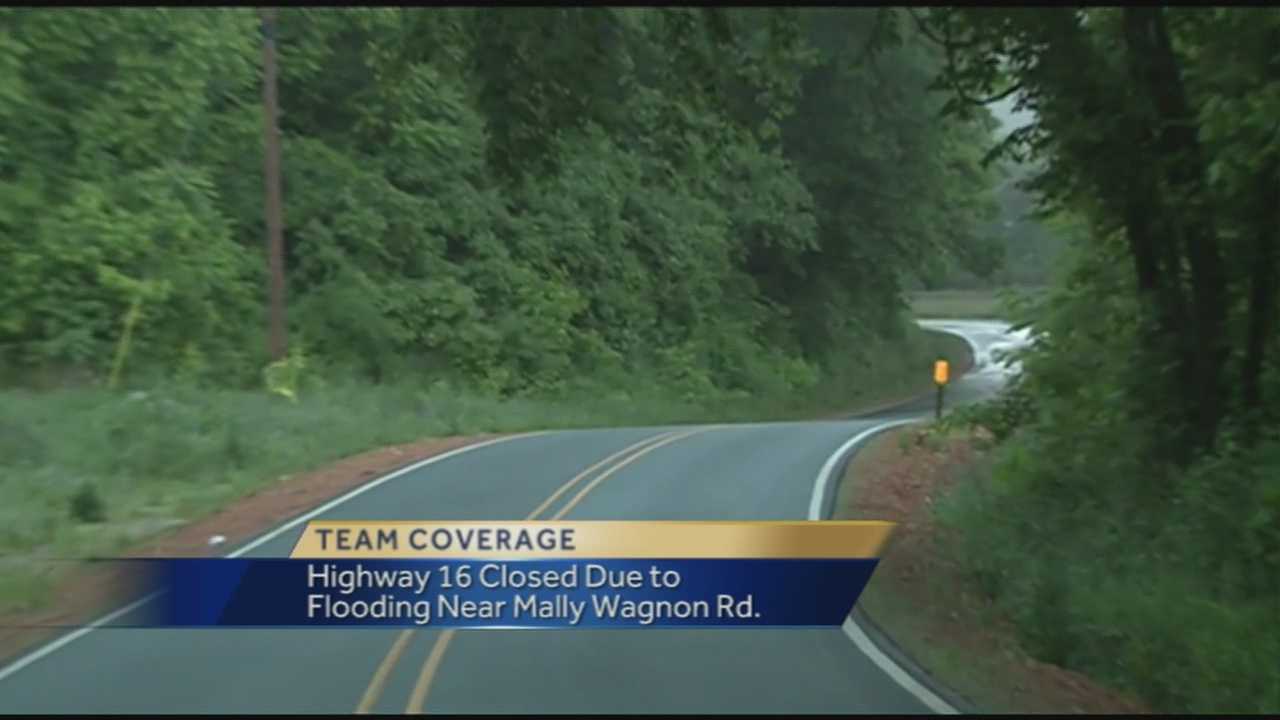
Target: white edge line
(850, 627)
(270, 535)
(868, 648)
(828, 468)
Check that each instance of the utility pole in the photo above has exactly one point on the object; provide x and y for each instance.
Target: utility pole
(276, 331)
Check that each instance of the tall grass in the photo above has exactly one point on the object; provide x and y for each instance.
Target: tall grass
(88, 471)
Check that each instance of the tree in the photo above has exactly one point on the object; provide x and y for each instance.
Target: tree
(1125, 101)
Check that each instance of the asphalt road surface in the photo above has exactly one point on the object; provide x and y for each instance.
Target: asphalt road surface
(734, 472)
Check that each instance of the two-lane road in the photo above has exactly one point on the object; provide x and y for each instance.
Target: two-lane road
(747, 472)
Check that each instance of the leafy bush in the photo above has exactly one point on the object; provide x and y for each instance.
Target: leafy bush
(1011, 410)
(86, 505)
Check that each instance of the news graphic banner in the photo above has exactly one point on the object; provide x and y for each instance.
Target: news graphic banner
(533, 575)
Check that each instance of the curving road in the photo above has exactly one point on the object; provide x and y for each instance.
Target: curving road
(752, 471)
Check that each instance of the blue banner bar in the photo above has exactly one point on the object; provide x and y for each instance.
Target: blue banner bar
(559, 593)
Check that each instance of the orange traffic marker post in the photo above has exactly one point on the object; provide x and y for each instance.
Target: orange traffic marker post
(941, 374)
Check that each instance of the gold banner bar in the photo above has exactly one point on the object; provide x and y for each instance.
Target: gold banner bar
(538, 540)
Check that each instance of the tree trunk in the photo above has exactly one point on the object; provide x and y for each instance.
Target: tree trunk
(1262, 296)
(1188, 215)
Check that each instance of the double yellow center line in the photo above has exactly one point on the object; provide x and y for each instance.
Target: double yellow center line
(609, 465)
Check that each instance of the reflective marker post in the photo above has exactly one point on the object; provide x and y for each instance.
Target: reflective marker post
(941, 373)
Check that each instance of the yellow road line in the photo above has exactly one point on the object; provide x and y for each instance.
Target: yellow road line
(574, 481)
(605, 475)
(419, 697)
(423, 686)
(379, 681)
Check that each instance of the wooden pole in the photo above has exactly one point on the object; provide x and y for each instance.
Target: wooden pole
(277, 340)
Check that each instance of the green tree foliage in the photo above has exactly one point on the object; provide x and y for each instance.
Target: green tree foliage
(1158, 124)
(1140, 451)
(1031, 242)
(517, 199)
(106, 196)
(894, 187)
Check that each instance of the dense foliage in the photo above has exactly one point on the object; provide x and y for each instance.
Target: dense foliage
(1033, 243)
(719, 199)
(1132, 519)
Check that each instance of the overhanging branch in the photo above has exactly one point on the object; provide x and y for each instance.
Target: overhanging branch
(950, 45)
(947, 42)
(993, 98)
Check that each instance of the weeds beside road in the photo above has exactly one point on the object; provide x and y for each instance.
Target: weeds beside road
(90, 472)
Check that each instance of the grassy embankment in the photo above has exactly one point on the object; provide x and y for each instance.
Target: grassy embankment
(148, 459)
(966, 304)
